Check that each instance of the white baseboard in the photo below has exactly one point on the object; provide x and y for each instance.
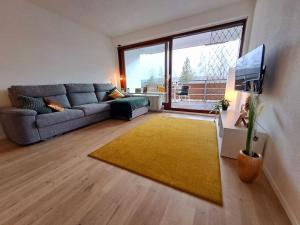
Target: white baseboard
(281, 198)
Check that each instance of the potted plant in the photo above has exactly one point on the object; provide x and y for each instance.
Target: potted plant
(221, 104)
(249, 162)
(225, 104)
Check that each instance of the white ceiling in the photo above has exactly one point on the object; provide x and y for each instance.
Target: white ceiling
(118, 17)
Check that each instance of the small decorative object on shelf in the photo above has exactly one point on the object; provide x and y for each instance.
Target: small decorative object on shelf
(243, 118)
(249, 162)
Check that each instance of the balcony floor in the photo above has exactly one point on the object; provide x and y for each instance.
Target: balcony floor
(192, 104)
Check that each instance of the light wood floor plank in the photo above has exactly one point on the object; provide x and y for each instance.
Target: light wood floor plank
(55, 182)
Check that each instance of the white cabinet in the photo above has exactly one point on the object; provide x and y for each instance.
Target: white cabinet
(233, 138)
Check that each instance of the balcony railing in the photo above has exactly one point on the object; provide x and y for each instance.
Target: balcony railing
(202, 90)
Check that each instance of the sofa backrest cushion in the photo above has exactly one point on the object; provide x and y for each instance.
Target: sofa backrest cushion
(62, 99)
(80, 94)
(101, 91)
(55, 92)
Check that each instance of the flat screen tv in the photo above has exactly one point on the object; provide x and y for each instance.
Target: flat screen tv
(250, 68)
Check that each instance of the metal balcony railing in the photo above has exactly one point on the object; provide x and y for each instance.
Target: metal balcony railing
(202, 90)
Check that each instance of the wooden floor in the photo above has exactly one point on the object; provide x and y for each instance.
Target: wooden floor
(55, 182)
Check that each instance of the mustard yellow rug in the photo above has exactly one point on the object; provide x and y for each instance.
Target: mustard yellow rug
(181, 153)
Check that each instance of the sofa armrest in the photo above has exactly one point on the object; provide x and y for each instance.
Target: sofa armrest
(18, 112)
(19, 125)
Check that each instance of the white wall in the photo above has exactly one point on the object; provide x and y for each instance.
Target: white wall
(276, 23)
(225, 14)
(39, 47)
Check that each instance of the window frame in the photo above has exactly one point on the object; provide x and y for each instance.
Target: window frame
(168, 41)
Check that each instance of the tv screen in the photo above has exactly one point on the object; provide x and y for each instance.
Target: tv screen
(250, 68)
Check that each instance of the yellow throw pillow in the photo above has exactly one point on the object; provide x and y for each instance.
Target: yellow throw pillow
(54, 105)
(115, 93)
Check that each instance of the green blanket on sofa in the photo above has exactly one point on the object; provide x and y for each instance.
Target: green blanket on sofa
(123, 107)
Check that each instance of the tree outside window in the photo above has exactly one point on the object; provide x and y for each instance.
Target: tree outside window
(187, 72)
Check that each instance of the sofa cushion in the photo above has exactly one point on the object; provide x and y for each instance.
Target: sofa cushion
(102, 96)
(45, 120)
(77, 99)
(80, 94)
(90, 109)
(79, 88)
(103, 87)
(35, 91)
(101, 91)
(54, 105)
(36, 104)
(61, 99)
(115, 94)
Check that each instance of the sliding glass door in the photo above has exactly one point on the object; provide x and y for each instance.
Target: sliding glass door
(200, 67)
(189, 70)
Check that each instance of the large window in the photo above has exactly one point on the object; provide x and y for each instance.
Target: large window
(189, 69)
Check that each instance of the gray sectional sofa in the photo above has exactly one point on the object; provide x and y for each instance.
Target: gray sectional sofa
(84, 104)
